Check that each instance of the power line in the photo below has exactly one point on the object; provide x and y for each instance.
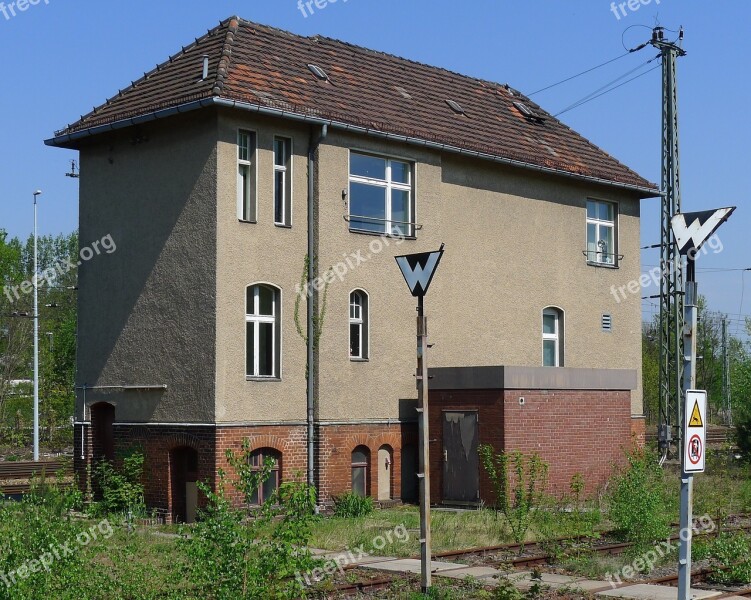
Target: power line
(612, 60)
(594, 95)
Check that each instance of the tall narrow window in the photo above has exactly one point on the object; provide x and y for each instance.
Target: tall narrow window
(380, 195)
(258, 459)
(601, 233)
(262, 339)
(358, 325)
(282, 181)
(246, 176)
(552, 337)
(361, 471)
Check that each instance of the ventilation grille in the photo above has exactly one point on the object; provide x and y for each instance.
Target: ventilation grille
(607, 323)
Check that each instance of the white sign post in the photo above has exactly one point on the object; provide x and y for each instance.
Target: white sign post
(695, 431)
(691, 230)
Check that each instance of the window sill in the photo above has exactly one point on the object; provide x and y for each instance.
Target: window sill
(282, 226)
(265, 379)
(358, 360)
(380, 234)
(246, 221)
(602, 265)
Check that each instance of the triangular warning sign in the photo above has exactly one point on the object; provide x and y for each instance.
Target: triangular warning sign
(695, 420)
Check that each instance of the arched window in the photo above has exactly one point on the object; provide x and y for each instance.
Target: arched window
(262, 332)
(552, 337)
(358, 325)
(361, 471)
(266, 490)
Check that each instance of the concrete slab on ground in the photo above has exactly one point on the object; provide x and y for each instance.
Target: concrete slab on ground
(406, 565)
(645, 591)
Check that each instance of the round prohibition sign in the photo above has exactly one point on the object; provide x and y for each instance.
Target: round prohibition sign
(695, 449)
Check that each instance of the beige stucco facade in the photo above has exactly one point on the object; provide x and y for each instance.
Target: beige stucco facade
(168, 307)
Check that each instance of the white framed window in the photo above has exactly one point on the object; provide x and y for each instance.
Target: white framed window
(381, 198)
(602, 232)
(358, 325)
(262, 331)
(246, 176)
(283, 181)
(552, 337)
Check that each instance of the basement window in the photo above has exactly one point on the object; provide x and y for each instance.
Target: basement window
(268, 488)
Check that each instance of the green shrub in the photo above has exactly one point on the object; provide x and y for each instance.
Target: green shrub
(262, 555)
(121, 489)
(638, 505)
(518, 500)
(732, 551)
(351, 505)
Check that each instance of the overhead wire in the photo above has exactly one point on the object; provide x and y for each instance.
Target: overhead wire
(607, 62)
(607, 87)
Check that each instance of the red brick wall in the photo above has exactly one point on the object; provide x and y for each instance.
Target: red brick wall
(334, 446)
(573, 431)
(639, 431)
(336, 443)
(583, 432)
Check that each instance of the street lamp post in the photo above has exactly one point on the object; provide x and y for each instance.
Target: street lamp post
(35, 281)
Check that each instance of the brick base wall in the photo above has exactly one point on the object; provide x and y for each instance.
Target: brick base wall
(334, 446)
(573, 431)
(583, 432)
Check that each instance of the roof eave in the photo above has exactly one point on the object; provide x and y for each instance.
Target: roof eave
(70, 140)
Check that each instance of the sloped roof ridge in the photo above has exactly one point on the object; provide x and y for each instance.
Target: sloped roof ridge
(396, 57)
(158, 68)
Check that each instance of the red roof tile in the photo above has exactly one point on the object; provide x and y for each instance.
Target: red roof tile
(268, 67)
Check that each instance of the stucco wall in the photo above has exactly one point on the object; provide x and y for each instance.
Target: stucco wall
(146, 311)
(260, 252)
(514, 243)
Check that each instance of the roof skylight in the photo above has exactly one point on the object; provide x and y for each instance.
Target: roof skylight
(456, 107)
(318, 72)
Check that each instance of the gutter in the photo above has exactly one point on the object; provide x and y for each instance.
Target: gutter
(312, 296)
(295, 116)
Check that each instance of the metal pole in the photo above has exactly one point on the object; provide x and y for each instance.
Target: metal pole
(35, 281)
(687, 479)
(422, 416)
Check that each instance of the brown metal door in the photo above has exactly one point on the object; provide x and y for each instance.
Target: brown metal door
(461, 473)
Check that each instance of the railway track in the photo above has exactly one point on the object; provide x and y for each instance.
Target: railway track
(15, 477)
(524, 562)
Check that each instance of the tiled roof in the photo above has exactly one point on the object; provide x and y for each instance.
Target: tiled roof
(266, 67)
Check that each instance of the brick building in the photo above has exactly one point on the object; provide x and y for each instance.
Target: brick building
(219, 171)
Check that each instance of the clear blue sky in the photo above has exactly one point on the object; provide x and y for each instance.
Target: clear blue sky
(60, 58)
